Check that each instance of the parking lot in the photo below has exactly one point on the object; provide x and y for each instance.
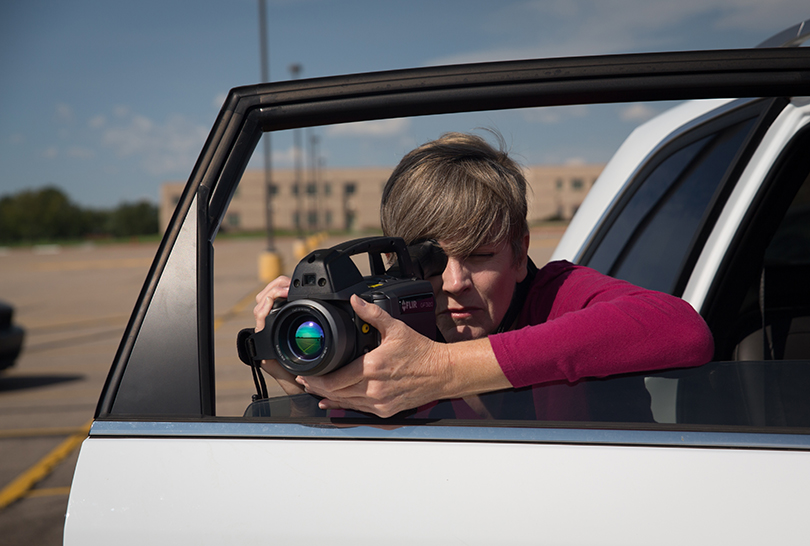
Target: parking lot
(74, 303)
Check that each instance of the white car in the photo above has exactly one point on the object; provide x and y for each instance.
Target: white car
(709, 202)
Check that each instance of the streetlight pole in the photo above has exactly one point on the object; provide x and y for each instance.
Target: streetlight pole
(295, 71)
(268, 169)
(270, 265)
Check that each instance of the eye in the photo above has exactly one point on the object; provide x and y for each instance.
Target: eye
(481, 256)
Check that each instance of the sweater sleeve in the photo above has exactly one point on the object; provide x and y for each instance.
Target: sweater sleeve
(579, 323)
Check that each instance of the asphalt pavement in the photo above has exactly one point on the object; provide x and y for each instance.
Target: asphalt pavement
(74, 303)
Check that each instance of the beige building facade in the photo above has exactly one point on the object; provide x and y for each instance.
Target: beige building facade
(347, 199)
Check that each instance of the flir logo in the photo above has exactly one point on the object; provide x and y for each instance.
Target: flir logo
(416, 304)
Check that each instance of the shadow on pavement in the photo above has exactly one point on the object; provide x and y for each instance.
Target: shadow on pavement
(20, 382)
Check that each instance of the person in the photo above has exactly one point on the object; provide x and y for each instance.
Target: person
(505, 323)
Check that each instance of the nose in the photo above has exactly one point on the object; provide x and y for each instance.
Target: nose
(456, 277)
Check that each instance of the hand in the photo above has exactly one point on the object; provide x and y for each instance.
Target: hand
(278, 288)
(404, 372)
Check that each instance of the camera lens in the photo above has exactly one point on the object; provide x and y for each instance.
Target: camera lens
(309, 339)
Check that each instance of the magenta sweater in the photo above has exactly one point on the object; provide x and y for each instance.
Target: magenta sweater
(579, 323)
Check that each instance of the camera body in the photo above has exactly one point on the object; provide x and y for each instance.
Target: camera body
(316, 331)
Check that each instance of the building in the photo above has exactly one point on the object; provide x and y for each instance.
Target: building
(348, 199)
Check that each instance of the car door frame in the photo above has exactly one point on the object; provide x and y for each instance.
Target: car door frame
(173, 318)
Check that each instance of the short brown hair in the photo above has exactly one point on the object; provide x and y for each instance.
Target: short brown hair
(460, 190)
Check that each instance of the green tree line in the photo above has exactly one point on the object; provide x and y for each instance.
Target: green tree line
(47, 214)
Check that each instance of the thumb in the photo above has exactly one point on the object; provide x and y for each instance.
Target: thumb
(373, 314)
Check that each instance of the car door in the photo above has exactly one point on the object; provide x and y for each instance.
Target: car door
(160, 466)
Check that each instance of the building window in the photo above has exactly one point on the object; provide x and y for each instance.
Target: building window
(349, 188)
(348, 218)
(327, 188)
(233, 220)
(559, 183)
(577, 184)
(312, 189)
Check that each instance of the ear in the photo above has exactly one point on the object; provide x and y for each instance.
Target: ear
(523, 262)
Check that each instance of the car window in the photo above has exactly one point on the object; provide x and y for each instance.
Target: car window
(648, 241)
(659, 245)
(646, 244)
(760, 314)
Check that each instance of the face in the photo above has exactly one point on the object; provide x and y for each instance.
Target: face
(474, 293)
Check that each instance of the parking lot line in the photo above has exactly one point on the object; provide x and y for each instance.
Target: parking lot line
(48, 492)
(39, 432)
(23, 485)
(82, 265)
(249, 299)
(26, 481)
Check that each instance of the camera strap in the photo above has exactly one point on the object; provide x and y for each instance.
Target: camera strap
(518, 298)
(245, 355)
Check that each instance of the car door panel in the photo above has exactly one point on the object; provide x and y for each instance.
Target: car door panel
(304, 491)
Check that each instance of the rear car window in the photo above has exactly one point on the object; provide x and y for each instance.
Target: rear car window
(648, 240)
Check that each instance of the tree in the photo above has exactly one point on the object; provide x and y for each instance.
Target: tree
(37, 215)
(48, 214)
(133, 219)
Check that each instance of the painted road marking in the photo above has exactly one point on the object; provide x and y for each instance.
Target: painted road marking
(81, 265)
(23, 485)
(26, 481)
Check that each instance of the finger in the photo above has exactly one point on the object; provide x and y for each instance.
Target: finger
(358, 404)
(341, 379)
(285, 379)
(277, 288)
(373, 314)
(261, 311)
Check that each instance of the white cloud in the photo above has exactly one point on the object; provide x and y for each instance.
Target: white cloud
(97, 122)
(554, 115)
(167, 148)
(121, 111)
(64, 113)
(377, 128)
(637, 112)
(78, 152)
(554, 28)
(281, 158)
(219, 100)
(755, 14)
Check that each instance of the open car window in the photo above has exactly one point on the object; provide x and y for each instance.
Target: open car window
(174, 354)
(720, 394)
(322, 201)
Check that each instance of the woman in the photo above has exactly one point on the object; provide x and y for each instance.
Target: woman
(506, 324)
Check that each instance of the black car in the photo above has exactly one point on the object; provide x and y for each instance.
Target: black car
(11, 337)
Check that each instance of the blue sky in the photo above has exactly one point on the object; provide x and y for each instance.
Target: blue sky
(109, 99)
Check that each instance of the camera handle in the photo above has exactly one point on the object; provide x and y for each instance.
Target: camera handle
(375, 247)
(330, 274)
